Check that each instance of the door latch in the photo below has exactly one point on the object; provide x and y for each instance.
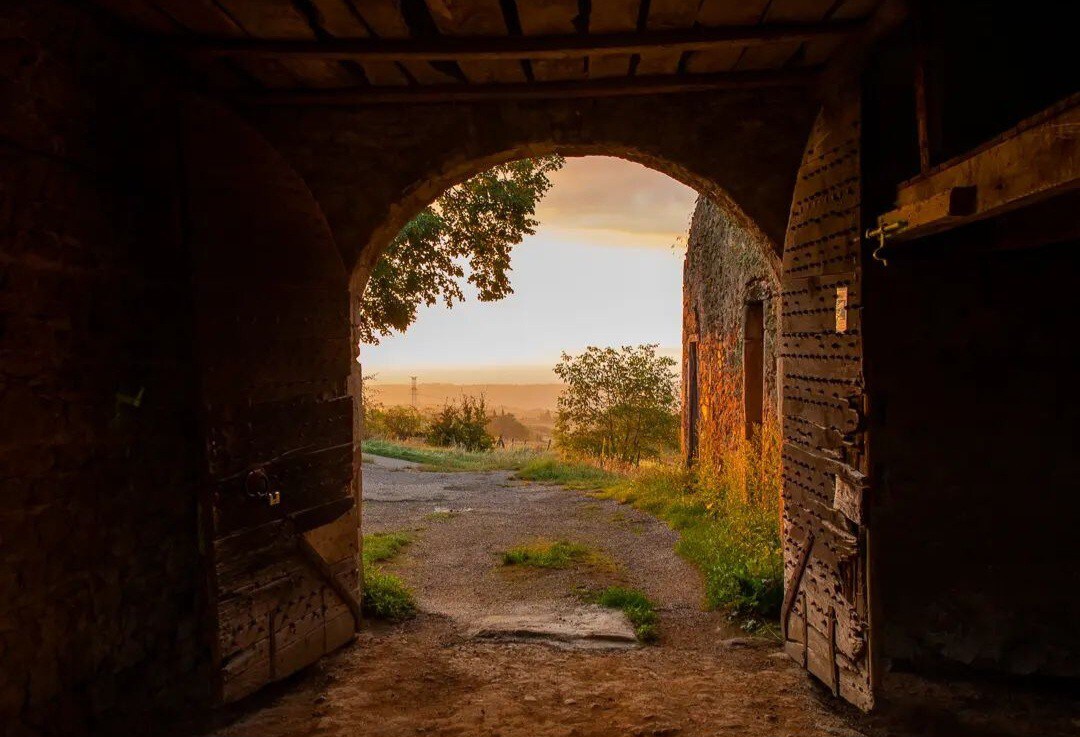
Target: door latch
(882, 233)
(257, 488)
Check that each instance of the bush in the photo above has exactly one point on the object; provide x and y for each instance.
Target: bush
(508, 427)
(400, 422)
(619, 404)
(463, 425)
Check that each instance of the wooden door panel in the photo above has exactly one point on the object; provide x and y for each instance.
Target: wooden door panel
(826, 609)
(272, 333)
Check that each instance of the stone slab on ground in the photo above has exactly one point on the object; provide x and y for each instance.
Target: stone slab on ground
(589, 627)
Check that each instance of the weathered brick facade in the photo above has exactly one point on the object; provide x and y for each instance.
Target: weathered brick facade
(730, 267)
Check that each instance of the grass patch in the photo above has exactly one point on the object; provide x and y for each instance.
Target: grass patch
(382, 546)
(552, 554)
(638, 608)
(441, 516)
(385, 596)
(451, 459)
(735, 544)
(548, 469)
(531, 465)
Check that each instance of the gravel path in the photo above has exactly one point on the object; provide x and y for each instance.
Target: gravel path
(429, 677)
(462, 522)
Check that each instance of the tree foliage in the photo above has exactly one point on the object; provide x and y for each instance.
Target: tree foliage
(462, 424)
(469, 230)
(619, 403)
(508, 427)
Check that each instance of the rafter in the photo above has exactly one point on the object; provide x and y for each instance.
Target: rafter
(618, 87)
(495, 48)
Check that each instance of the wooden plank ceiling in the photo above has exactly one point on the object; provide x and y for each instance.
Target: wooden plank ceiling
(357, 51)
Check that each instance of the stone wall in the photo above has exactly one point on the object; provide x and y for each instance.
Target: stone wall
(99, 573)
(372, 169)
(728, 266)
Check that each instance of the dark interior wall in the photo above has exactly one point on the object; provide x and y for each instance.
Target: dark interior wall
(99, 571)
(971, 363)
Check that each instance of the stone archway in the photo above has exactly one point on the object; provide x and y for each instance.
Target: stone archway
(369, 168)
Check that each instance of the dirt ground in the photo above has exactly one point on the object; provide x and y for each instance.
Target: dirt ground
(428, 676)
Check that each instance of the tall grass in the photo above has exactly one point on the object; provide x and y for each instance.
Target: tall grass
(728, 519)
(433, 458)
(550, 469)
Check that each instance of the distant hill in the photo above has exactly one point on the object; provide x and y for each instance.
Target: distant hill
(519, 399)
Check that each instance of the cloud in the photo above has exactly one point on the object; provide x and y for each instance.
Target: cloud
(604, 194)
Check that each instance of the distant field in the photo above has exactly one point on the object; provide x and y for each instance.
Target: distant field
(522, 400)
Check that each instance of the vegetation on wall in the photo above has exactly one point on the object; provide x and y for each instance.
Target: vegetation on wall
(467, 233)
(619, 404)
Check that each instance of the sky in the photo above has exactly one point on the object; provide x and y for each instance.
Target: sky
(604, 268)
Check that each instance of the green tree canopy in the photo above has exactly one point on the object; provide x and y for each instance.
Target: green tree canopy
(619, 403)
(470, 228)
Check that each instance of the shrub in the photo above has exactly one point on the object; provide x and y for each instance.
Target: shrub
(507, 427)
(619, 404)
(463, 425)
(401, 423)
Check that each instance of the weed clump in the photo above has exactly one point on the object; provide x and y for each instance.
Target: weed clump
(548, 554)
(382, 546)
(638, 608)
(385, 596)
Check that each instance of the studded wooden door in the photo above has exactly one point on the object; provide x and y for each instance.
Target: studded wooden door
(826, 612)
(280, 523)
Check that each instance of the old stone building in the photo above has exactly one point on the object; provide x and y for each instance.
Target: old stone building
(193, 195)
(731, 324)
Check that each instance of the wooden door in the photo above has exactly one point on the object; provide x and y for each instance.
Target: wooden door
(826, 613)
(280, 523)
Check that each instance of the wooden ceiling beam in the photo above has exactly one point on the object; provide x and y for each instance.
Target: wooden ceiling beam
(612, 87)
(497, 48)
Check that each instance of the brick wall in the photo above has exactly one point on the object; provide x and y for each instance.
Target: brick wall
(728, 266)
(99, 573)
